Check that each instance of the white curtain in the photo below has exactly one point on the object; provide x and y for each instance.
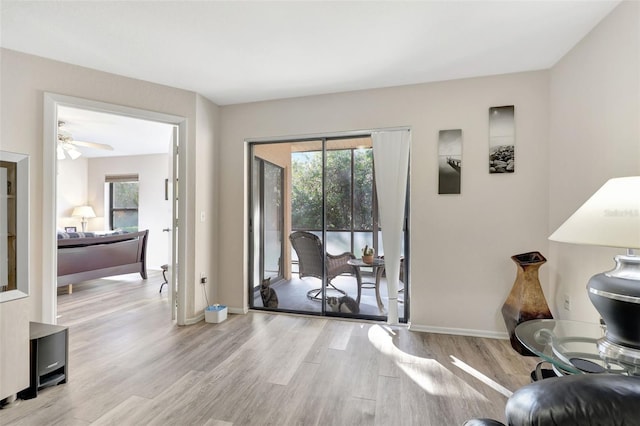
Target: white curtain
(391, 162)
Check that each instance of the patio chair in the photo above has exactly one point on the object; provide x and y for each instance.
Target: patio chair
(310, 261)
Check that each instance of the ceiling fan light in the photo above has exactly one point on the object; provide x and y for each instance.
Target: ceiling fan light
(60, 151)
(74, 153)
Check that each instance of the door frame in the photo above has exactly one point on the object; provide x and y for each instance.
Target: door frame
(50, 183)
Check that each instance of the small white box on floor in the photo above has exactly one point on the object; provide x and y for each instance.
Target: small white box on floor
(215, 313)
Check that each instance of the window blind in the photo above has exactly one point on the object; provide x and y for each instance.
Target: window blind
(121, 178)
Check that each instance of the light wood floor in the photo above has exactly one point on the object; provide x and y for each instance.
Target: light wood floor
(130, 365)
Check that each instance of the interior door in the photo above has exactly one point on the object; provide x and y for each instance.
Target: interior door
(172, 230)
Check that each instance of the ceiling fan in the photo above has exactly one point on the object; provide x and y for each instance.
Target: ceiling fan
(66, 144)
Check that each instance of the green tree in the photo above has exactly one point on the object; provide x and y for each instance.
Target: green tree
(338, 189)
(307, 190)
(363, 190)
(306, 197)
(124, 206)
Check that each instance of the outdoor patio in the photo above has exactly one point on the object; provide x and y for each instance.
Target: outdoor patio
(292, 294)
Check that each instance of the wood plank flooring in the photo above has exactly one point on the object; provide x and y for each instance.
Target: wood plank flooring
(130, 365)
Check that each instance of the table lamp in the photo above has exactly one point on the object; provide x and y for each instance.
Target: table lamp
(611, 218)
(84, 212)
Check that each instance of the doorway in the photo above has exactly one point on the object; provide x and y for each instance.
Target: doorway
(325, 194)
(53, 105)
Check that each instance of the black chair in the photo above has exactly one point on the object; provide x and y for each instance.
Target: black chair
(164, 276)
(311, 264)
(581, 399)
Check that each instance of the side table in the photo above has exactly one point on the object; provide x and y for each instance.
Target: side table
(378, 269)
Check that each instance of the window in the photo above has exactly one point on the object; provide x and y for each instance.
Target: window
(123, 202)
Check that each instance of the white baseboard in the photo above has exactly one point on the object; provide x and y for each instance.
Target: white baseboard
(411, 326)
(459, 331)
(195, 320)
(200, 316)
(239, 311)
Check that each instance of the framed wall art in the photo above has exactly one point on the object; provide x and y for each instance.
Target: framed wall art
(449, 161)
(502, 139)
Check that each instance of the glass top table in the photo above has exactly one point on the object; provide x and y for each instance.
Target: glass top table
(572, 347)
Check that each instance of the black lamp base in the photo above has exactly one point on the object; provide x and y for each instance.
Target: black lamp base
(616, 296)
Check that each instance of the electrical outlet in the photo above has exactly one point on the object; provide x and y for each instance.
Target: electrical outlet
(567, 302)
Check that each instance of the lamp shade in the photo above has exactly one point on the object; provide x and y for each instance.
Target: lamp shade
(83, 211)
(610, 218)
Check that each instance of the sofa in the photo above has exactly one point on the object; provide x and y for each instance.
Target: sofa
(87, 256)
(581, 399)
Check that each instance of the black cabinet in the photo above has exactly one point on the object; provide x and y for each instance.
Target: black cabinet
(49, 354)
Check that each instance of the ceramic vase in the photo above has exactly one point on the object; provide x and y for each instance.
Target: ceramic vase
(526, 300)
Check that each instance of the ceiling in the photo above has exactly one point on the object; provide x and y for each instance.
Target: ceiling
(128, 136)
(244, 51)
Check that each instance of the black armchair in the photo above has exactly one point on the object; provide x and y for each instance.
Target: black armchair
(581, 400)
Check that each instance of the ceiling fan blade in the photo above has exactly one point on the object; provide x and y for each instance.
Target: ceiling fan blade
(63, 134)
(93, 145)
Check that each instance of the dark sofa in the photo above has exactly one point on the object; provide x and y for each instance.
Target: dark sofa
(581, 399)
(85, 257)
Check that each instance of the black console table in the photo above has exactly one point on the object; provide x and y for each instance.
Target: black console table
(49, 354)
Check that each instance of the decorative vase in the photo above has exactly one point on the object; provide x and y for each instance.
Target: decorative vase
(526, 300)
(368, 259)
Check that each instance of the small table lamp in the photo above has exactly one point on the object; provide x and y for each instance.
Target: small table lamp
(84, 212)
(611, 218)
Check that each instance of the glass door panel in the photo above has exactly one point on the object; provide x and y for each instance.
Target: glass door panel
(267, 230)
(272, 221)
(307, 217)
(341, 290)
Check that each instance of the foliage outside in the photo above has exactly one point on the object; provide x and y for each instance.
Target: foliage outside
(124, 206)
(306, 200)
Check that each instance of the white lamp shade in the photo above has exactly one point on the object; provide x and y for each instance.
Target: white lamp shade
(610, 218)
(83, 211)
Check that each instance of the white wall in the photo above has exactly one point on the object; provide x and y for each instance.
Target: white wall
(72, 191)
(461, 269)
(594, 136)
(206, 209)
(154, 211)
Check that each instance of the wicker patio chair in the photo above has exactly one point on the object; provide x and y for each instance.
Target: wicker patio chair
(310, 257)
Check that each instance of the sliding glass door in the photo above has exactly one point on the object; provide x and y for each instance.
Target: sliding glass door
(326, 190)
